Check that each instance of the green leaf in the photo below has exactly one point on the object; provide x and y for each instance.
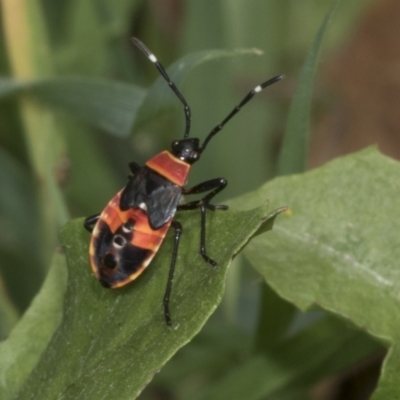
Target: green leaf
(109, 105)
(111, 342)
(159, 100)
(22, 350)
(337, 247)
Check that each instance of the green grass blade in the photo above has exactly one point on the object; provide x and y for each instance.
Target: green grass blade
(293, 157)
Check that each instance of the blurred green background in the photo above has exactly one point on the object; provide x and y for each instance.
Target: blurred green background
(61, 164)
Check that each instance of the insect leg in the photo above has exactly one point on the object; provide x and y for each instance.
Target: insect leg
(215, 185)
(90, 222)
(203, 252)
(178, 231)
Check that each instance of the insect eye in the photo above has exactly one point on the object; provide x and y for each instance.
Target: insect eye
(109, 261)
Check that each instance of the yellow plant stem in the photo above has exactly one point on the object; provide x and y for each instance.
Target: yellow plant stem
(30, 59)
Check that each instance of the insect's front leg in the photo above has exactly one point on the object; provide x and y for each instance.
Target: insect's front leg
(90, 222)
(215, 185)
(178, 231)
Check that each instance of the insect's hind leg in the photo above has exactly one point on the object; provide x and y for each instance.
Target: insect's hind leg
(178, 231)
(90, 222)
(215, 185)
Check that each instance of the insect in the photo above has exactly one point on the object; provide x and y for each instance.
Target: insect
(131, 228)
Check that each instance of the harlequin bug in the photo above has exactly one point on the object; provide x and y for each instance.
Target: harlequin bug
(133, 225)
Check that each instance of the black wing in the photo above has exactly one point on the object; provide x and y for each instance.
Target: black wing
(160, 196)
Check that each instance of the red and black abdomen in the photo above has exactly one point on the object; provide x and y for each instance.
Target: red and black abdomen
(123, 244)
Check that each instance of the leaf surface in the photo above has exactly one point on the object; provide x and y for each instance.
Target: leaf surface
(112, 342)
(23, 348)
(337, 247)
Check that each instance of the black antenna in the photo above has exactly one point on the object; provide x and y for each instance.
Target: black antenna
(247, 98)
(171, 84)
